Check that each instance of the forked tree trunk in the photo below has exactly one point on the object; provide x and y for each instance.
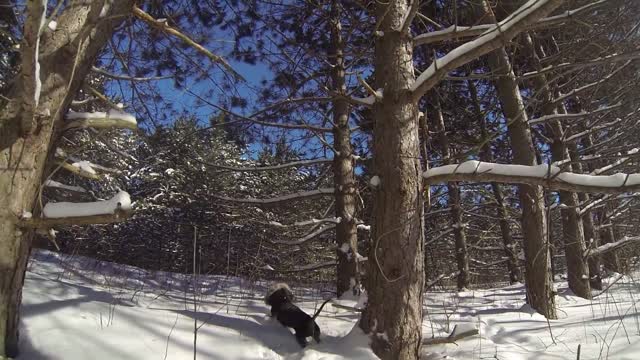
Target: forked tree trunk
(347, 272)
(26, 135)
(538, 280)
(453, 190)
(395, 280)
(501, 210)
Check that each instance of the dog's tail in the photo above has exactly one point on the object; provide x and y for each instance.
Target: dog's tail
(320, 309)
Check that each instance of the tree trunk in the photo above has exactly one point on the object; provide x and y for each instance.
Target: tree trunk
(501, 211)
(347, 272)
(395, 280)
(26, 135)
(539, 282)
(572, 230)
(453, 190)
(611, 260)
(591, 239)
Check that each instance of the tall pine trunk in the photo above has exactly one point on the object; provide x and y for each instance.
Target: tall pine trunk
(347, 272)
(395, 280)
(538, 280)
(27, 133)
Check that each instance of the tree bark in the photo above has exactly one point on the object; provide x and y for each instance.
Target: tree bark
(453, 190)
(395, 280)
(539, 282)
(572, 229)
(347, 272)
(26, 135)
(590, 236)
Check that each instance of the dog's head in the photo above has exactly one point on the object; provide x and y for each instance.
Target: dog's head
(278, 294)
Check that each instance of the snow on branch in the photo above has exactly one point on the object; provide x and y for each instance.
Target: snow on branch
(163, 26)
(577, 65)
(581, 89)
(121, 201)
(30, 69)
(456, 32)
(305, 239)
(546, 118)
(100, 120)
(82, 168)
(548, 176)
(284, 198)
(333, 220)
(271, 167)
(57, 185)
(490, 40)
(606, 248)
(318, 266)
(48, 223)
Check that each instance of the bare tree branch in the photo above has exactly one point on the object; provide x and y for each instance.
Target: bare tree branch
(301, 195)
(493, 39)
(456, 32)
(163, 26)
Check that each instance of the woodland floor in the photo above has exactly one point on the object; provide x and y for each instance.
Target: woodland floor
(76, 308)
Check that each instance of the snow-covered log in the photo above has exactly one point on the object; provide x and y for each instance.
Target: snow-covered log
(101, 120)
(548, 176)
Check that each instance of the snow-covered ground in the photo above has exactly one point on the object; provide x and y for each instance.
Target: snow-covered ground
(77, 308)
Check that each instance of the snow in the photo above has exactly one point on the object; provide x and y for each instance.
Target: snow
(74, 306)
(536, 171)
(26, 215)
(504, 26)
(67, 209)
(85, 166)
(111, 114)
(38, 82)
(53, 25)
(78, 306)
(344, 248)
(375, 181)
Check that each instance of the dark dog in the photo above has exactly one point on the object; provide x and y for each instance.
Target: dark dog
(280, 298)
